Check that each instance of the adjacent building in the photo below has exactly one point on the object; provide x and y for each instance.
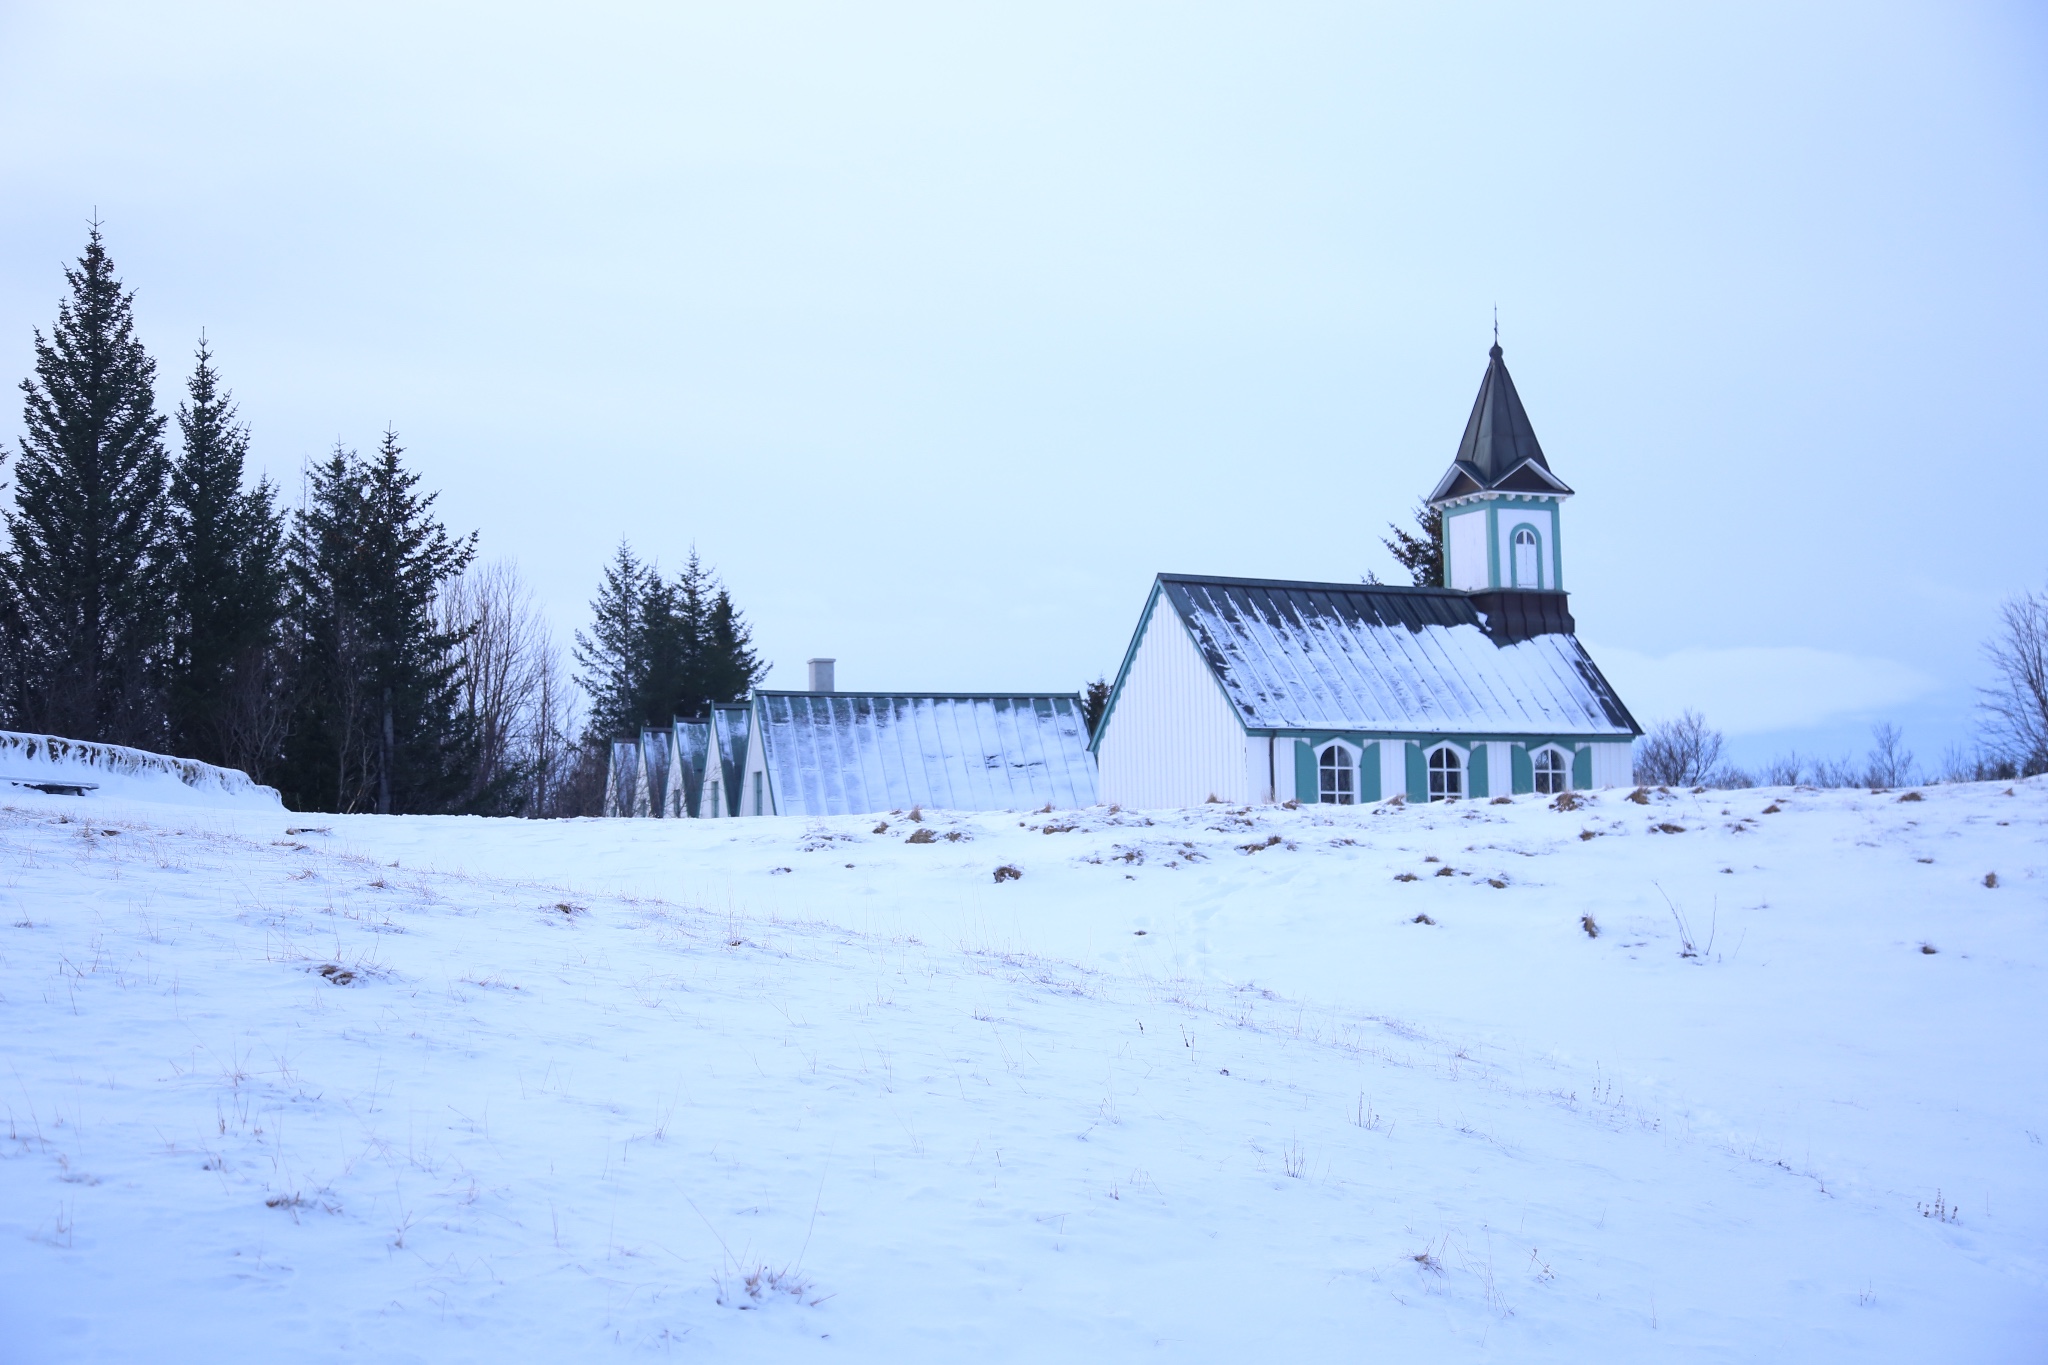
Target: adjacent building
(826, 752)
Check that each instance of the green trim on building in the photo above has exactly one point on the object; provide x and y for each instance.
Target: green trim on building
(1308, 766)
(1475, 772)
(1492, 546)
(1418, 773)
(1582, 769)
(1369, 772)
(1523, 767)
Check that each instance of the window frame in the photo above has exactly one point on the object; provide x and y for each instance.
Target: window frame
(1535, 543)
(1348, 770)
(1442, 777)
(1563, 771)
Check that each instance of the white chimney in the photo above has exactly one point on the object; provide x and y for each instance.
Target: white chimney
(821, 675)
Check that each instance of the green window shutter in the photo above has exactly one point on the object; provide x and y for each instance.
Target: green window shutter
(1307, 782)
(1369, 773)
(1525, 771)
(1475, 772)
(1582, 768)
(1418, 772)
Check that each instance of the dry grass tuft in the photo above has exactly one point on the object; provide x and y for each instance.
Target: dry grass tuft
(923, 836)
(1592, 929)
(1008, 873)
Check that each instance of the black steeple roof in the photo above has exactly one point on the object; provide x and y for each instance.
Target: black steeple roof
(1499, 452)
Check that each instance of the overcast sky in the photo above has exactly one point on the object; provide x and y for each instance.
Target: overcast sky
(939, 330)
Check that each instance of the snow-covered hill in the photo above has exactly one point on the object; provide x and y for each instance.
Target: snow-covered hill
(1221, 1084)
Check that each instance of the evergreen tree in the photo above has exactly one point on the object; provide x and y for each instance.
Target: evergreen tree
(658, 649)
(1421, 555)
(1095, 704)
(731, 668)
(668, 656)
(87, 596)
(613, 655)
(329, 754)
(226, 578)
(380, 725)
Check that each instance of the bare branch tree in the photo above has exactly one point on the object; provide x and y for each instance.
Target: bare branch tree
(1680, 753)
(1891, 763)
(2014, 708)
(512, 685)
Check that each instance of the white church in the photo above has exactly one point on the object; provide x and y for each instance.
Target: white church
(1267, 690)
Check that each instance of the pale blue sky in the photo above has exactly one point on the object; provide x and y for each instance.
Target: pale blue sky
(940, 329)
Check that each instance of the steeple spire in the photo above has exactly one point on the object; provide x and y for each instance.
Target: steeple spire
(1499, 450)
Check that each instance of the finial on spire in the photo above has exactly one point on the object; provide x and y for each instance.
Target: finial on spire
(1496, 324)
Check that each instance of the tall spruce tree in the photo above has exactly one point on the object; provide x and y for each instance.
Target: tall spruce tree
(380, 725)
(613, 657)
(226, 570)
(661, 648)
(88, 600)
(329, 755)
(730, 666)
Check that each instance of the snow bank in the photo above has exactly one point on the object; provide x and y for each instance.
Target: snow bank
(134, 774)
(1718, 1075)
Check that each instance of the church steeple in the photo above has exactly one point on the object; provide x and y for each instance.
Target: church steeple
(1498, 443)
(1499, 499)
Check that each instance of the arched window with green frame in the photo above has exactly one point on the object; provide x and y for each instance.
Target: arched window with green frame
(1336, 776)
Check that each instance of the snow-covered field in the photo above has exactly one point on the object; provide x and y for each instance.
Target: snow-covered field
(1207, 1085)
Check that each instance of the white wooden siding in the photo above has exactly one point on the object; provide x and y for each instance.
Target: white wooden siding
(1465, 536)
(754, 789)
(1500, 768)
(1172, 739)
(1393, 768)
(1262, 769)
(1614, 765)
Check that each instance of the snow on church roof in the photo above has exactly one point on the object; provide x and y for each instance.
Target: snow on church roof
(843, 753)
(1338, 656)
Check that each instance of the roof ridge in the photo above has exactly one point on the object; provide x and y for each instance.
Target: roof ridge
(1403, 588)
(901, 692)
